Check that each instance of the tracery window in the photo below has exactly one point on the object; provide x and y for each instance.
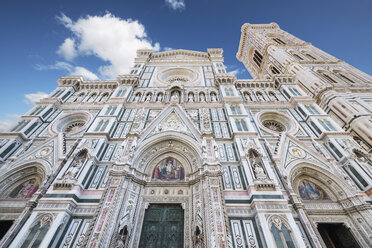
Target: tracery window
(274, 125)
(235, 110)
(279, 41)
(260, 96)
(311, 109)
(327, 125)
(282, 235)
(274, 70)
(102, 124)
(273, 96)
(247, 96)
(294, 91)
(297, 56)
(241, 125)
(257, 58)
(328, 78)
(310, 56)
(347, 79)
(229, 92)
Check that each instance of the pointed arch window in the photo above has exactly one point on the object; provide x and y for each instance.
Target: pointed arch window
(328, 78)
(310, 56)
(346, 78)
(297, 56)
(274, 70)
(241, 125)
(282, 236)
(257, 58)
(279, 41)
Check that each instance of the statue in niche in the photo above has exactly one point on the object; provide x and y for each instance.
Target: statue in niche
(213, 97)
(160, 98)
(124, 226)
(25, 190)
(202, 97)
(204, 153)
(215, 148)
(255, 160)
(259, 171)
(76, 165)
(120, 152)
(140, 118)
(364, 160)
(137, 98)
(198, 235)
(148, 98)
(169, 170)
(319, 148)
(132, 149)
(206, 123)
(175, 95)
(191, 97)
(312, 192)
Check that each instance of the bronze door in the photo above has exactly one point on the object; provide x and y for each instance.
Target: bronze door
(162, 227)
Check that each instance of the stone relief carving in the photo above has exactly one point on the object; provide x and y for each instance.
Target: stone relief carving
(76, 165)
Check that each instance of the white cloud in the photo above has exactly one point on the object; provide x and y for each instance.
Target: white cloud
(166, 49)
(112, 39)
(67, 49)
(32, 98)
(59, 65)
(72, 70)
(85, 73)
(176, 4)
(15, 116)
(237, 71)
(6, 125)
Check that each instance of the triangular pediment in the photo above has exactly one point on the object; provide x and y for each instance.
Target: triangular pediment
(172, 119)
(45, 151)
(292, 149)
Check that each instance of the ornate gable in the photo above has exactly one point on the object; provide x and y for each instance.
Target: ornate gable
(291, 150)
(172, 119)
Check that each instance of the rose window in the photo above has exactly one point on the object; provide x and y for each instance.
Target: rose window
(74, 126)
(274, 125)
(71, 123)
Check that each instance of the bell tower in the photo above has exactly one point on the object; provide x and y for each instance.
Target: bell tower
(268, 51)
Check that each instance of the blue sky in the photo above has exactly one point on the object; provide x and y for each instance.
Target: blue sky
(44, 40)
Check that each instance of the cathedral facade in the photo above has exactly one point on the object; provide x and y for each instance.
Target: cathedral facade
(180, 153)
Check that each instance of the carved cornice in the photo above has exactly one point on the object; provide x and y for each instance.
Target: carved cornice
(225, 78)
(179, 52)
(253, 83)
(70, 80)
(244, 37)
(128, 79)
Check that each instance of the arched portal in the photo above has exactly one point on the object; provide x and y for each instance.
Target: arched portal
(327, 202)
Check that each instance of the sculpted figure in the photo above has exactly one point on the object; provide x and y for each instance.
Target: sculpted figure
(202, 97)
(259, 171)
(213, 97)
(160, 98)
(74, 169)
(191, 97)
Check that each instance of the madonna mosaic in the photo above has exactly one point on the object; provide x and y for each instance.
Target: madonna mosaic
(25, 190)
(312, 192)
(169, 170)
